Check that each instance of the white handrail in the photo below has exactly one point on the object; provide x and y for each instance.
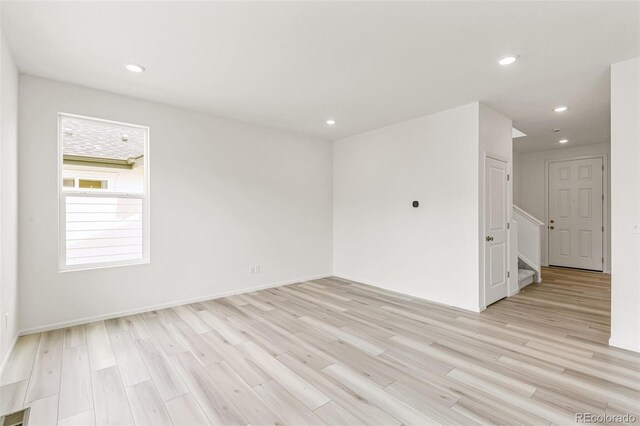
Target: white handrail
(528, 216)
(529, 243)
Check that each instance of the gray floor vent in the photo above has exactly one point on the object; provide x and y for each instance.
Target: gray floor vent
(19, 418)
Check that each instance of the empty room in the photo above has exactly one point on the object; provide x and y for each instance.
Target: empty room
(319, 213)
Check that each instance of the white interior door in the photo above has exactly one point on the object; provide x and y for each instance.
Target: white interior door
(575, 214)
(495, 226)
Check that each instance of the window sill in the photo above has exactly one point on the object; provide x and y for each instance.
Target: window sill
(93, 266)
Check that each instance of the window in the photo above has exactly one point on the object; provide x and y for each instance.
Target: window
(104, 193)
(92, 184)
(85, 183)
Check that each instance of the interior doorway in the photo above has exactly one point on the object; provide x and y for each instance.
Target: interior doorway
(575, 212)
(496, 207)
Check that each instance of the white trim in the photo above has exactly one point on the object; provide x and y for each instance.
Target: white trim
(102, 194)
(103, 265)
(528, 216)
(623, 345)
(606, 265)
(481, 232)
(497, 157)
(134, 311)
(527, 261)
(8, 354)
(63, 193)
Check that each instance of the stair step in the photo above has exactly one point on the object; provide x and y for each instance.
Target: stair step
(525, 276)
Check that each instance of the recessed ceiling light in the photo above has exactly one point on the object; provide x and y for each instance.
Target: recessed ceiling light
(560, 109)
(563, 141)
(508, 60)
(331, 122)
(134, 68)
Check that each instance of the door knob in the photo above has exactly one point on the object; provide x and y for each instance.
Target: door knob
(489, 238)
(551, 221)
(551, 227)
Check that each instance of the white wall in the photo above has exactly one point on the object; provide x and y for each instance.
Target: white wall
(224, 195)
(625, 207)
(379, 238)
(529, 186)
(517, 176)
(8, 199)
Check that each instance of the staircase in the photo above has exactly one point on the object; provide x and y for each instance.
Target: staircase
(527, 238)
(525, 277)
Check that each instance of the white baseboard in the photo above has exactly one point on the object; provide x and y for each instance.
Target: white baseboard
(8, 354)
(382, 287)
(624, 345)
(80, 321)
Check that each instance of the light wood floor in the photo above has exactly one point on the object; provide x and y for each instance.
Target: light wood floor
(334, 352)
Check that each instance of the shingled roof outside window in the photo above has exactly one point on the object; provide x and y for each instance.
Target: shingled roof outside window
(95, 139)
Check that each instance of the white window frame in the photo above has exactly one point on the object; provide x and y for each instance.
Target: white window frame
(76, 192)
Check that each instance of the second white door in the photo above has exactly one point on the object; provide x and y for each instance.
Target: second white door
(575, 214)
(495, 228)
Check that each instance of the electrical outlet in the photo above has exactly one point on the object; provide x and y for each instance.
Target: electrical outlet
(6, 321)
(254, 269)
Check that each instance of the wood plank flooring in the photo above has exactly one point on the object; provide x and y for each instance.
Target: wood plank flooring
(335, 352)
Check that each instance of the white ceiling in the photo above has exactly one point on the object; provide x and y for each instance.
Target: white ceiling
(292, 65)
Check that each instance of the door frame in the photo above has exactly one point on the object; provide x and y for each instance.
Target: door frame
(606, 265)
(481, 234)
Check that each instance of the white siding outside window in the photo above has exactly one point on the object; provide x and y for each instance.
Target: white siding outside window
(104, 208)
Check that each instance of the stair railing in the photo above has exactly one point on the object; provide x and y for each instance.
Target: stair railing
(529, 239)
